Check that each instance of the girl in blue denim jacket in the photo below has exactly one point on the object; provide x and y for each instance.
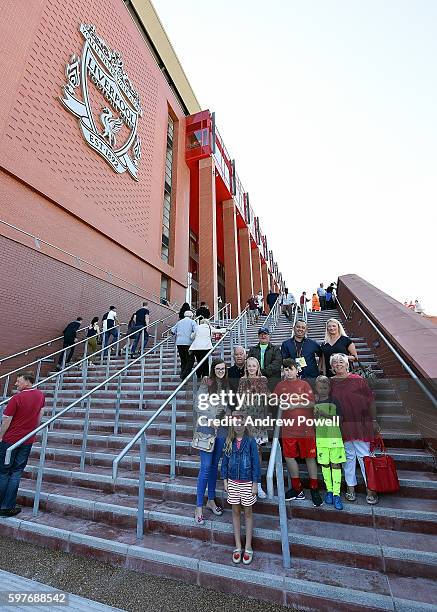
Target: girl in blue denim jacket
(241, 473)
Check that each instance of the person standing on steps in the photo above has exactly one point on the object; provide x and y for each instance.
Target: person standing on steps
(359, 425)
(22, 415)
(203, 311)
(184, 331)
(322, 296)
(336, 341)
(110, 327)
(330, 448)
(268, 356)
(211, 404)
(288, 304)
(260, 302)
(315, 303)
(253, 309)
(202, 344)
(141, 320)
(271, 299)
(185, 306)
(241, 475)
(303, 351)
(69, 333)
(298, 437)
(92, 332)
(237, 371)
(254, 388)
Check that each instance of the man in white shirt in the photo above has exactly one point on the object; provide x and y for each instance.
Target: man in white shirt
(288, 303)
(260, 302)
(322, 296)
(110, 323)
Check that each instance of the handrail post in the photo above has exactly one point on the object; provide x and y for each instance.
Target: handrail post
(156, 333)
(245, 330)
(85, 434)
(117, 405)
(55, 398)
(38, 371)
(142, 384)
(84, 372)
(42, 456)
(173, 440)
(141, 485)
(161, 354)
(286, 557)
(108, 361)
(126, 357)
(175, 357)
(6, 386)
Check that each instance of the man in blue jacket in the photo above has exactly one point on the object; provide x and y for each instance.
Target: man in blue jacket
(303, 351)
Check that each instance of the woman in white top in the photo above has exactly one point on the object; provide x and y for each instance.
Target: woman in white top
(202, 343)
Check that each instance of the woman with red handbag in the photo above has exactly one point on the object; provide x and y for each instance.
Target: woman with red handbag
(359, 424)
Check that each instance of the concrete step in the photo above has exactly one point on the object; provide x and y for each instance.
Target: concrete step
(414, 483)
(362, 547)
(311, 585)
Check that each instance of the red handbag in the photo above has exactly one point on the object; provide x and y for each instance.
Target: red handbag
(381, 471)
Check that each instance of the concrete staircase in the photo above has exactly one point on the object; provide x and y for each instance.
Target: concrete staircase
(376, 558)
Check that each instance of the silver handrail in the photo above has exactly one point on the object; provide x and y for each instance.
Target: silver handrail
(395, 353)
(273, 316)
(79, 260)
(141, 434)
(81, 400)
(37, 346)
(84, 361)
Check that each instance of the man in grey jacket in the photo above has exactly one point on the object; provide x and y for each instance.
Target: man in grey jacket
(269, 357)
(183, 331)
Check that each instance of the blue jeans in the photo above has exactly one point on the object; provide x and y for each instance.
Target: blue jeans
(10, 475)
(137, 338)
(208, 471)
(110, 336)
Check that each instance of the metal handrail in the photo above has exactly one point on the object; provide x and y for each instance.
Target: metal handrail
(140, 435)
(81, 400)
(59, 375)
(401, 360)
(273, 315)
(62, 350)
(78, 259)
(33, 348)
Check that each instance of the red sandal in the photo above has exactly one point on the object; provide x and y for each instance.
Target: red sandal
(236, 555)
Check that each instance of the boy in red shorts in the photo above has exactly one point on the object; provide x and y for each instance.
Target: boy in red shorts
(298, 438)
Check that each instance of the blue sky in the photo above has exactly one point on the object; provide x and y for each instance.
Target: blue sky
(329, 108)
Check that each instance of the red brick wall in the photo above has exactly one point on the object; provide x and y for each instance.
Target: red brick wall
(43, 148)
(40, 295)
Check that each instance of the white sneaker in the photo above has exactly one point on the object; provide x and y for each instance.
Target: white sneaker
(261, 493)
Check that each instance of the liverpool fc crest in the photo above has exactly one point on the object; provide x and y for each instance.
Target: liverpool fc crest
(108, 107)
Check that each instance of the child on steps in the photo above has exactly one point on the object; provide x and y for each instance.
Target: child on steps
(330, 447)
(241, 474)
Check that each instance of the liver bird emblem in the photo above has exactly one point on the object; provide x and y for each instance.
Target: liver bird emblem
(111, 125)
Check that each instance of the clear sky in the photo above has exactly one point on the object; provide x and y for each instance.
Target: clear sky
(329, 108)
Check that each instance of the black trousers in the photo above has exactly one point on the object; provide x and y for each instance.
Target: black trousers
(69, 354)
(322, 301)
(204, 368)
(187, 360)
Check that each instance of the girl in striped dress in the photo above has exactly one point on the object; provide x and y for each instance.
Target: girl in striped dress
(241, 473)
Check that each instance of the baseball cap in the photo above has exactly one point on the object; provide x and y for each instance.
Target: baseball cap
(263, 330)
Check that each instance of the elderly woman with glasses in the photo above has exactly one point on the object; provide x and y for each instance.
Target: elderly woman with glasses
(359, 424)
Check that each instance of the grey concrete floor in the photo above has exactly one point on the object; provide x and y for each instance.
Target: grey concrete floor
(118, 587)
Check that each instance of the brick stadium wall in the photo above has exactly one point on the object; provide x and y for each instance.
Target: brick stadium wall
(40, 295)
(53, 184)
(413, 336)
